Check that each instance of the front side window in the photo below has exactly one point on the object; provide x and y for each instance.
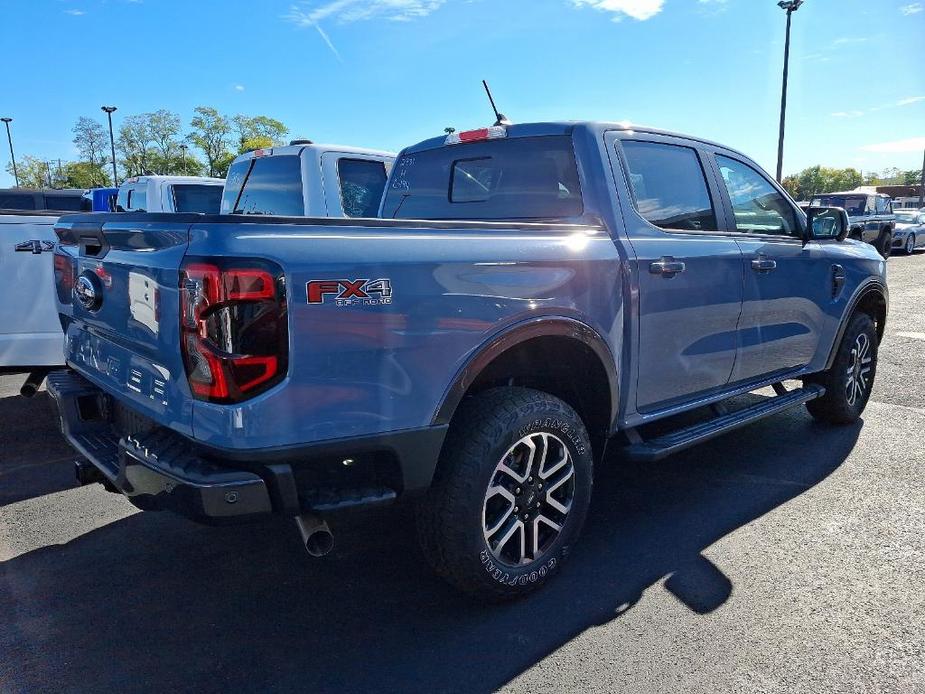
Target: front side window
(361, 184)
(758, 206)
(669, 186)
(265, 186)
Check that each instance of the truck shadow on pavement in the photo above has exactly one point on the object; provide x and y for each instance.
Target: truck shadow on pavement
(155, 602)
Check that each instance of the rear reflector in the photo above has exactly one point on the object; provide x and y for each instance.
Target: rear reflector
(492, 133)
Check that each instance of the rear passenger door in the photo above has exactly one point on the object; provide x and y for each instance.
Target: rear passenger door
(689, 271)
(353, 184)
(789, 301)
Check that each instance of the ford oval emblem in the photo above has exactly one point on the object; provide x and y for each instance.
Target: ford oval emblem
(88, 293)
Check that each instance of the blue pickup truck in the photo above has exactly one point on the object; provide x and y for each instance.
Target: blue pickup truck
(528, 296)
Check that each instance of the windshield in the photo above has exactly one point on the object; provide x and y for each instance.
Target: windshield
(518, 178)
(193, 197)
(854, 205)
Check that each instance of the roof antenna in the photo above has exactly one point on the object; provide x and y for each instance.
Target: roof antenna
(501, 118)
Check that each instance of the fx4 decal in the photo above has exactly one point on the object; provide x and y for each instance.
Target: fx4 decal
(350, 292)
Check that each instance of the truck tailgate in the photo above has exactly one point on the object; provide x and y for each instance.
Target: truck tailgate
(123, 333)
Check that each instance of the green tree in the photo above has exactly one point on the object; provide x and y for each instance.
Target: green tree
(256, 132)
(821, 179)
(92, 141)
(912, 178)
(211, 133)
(164, 128)
(33, 172)
(82, 174)
(134, 144)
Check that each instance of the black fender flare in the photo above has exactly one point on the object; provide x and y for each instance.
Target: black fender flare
(870, 286)
(546, 326)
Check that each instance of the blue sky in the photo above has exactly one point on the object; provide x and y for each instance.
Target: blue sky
(387, 73)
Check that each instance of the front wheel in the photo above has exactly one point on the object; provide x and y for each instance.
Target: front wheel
(910, 244)
(510, 495)
(885, 244)
(849, 382)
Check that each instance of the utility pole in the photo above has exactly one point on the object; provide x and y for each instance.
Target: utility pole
(183, 157)
(922, 183)
(112, 143)
(790, 6)
(9, 138)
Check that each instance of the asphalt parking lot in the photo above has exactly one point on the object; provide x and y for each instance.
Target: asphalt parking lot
(784, 557)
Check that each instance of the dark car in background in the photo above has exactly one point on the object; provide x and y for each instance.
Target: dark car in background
(870, 216)
(63, 200)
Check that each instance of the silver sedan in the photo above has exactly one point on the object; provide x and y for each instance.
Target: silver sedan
(909, 233)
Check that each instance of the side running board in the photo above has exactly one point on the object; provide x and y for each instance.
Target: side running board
(663, 446)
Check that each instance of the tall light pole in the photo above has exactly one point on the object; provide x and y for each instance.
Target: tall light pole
(922, 183)
(112, 143)
(9, 138)
(790, 6)
(183, 157)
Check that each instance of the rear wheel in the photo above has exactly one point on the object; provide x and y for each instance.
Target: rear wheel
(510, 495)
(850, 380)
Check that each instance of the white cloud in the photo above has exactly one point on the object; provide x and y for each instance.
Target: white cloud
(908, 101)
(75, 13)
(849, 40)
(848, 114)
(309, 14)
(913, 8)
(239, 87)
(637, 9)
(912, 144)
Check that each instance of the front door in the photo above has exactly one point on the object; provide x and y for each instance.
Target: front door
(689, 272)
(788, 299)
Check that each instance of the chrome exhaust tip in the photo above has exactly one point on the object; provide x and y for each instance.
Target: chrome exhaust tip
(316, 535)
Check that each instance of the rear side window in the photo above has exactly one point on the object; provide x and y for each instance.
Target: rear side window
(517, 178)
(265, 186)
(669, 186)
(190, 197)
(12, 201)
(361, 184)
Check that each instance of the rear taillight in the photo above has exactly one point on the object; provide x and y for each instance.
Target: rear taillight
(233, 327)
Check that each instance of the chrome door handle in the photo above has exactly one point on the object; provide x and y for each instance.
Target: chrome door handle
(763, 264)
(34, 246)
(667, 267)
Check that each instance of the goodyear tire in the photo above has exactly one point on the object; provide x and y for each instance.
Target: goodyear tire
(510, 495)
(849, 382)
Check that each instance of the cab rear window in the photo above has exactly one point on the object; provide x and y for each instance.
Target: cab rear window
(517, 178)
(192, 197)
(265, 186)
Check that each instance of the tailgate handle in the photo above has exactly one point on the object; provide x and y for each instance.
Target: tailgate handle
(91, 245)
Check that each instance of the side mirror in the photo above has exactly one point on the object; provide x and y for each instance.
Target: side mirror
(826, 223)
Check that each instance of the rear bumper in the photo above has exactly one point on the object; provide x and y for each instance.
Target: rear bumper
(21, 352)
(158, 469)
